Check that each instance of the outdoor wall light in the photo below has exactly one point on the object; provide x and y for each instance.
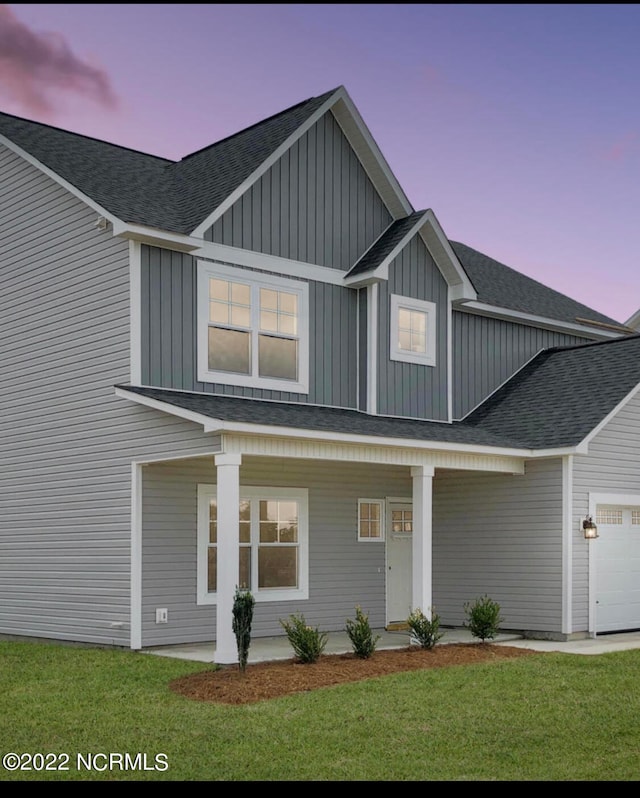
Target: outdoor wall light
(589, 528)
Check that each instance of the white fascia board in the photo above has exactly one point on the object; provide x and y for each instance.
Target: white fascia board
(633, 322)
(481, 309)
(584, 444)
(164, 407)
(373, 161)
(59, 180)
(156, 237)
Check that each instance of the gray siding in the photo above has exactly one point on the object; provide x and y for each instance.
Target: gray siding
(409, 389)
(169, 335)
(316, 204)
(486, 352)
(500, 535)
(66, 440)
(342, 573)
(610, 467)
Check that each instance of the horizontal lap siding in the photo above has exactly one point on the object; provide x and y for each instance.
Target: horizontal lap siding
(612, 466)
(316, 204)
(343, 572)
(500, 535)
(66, 440)
(169, 335)
(486, 352)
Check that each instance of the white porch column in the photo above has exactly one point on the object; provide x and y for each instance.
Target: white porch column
(228, 498)
(422, 477)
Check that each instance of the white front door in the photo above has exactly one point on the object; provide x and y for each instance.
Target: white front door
(399, 551)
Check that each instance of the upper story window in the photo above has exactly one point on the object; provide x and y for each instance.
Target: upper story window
(252, 329)
(412, 330)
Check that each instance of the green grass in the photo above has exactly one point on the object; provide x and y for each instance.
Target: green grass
(553, 717)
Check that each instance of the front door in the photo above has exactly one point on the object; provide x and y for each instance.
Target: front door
(399, 550)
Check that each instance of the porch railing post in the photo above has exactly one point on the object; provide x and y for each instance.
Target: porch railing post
(422, 557)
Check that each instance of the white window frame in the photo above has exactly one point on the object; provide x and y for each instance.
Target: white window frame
(255, 281)
(398, 302)
(301, 495)
(382, 514)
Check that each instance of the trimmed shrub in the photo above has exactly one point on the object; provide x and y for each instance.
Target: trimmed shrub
(307, 642)
(425, 631)
(243, 604)
(361, 636)
(483, 618)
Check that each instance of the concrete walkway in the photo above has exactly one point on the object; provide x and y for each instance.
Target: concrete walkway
(264, 649)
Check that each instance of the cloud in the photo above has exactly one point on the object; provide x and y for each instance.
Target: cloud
(34, 66)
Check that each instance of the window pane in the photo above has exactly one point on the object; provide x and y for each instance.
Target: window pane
(229, 350)
(374, 529)
(268, 299)
(288, 325)
(418, 322)
(288, 303)
(240, 316)
(219, 289)
(404, 340)
(244, 576)
(219, 312)
(245, 521)
(212, 569)
(404, 319)
(240, 294)
(277, 566)
(374, 510)
(278, 357)
(268, 321)
(418, 342)
(364, 529)
(213, 525)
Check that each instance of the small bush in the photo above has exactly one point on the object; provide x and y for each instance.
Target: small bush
(308, 643)
(361, 636)
(243, 604)
(484, 618)
(425, 632)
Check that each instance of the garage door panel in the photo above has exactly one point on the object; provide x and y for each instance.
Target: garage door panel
(617, 552)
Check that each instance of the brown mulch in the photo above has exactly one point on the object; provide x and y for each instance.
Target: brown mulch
(264, 680)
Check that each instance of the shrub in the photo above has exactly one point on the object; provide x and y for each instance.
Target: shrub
(361, 636)
(484, 618)
(425, 631)
(243, 604)
(308, 643)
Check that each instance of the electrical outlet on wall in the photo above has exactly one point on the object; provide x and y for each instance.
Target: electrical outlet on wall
(162, 615)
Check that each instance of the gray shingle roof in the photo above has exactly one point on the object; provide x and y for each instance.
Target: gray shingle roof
(562, 394)
(374, 256)
(555, 401)
(502, 286)
(156, 192)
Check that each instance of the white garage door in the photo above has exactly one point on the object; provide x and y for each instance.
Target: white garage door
(617, 568)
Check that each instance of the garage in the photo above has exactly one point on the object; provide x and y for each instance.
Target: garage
(617, 551)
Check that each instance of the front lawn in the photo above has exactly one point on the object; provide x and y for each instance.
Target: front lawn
(109, 715)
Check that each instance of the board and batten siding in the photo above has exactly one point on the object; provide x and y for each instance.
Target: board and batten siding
(66, 440)
(169, 335)
(500, 535)
(612, 466)
(315, 204)
(486, 352)
(342, 571)
(409, 389)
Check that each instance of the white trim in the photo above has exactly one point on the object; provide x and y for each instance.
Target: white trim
(633, 322)
(567, 544)
(496, 312)
(428, 309)
(382, 537)
(206, 492)
(269, 263)
(372, 348)
(135, 313)
(255, 280)
(135, 641)
(587, 440)
(449, 357)
(59, 180)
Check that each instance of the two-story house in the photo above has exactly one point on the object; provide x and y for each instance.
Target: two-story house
(260, 366)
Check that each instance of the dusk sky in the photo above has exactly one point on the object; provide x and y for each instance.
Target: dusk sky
(519, 125)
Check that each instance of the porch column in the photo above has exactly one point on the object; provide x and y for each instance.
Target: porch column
(228, 498)
(422, 477)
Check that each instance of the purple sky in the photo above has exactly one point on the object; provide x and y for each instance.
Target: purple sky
(519, 125)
